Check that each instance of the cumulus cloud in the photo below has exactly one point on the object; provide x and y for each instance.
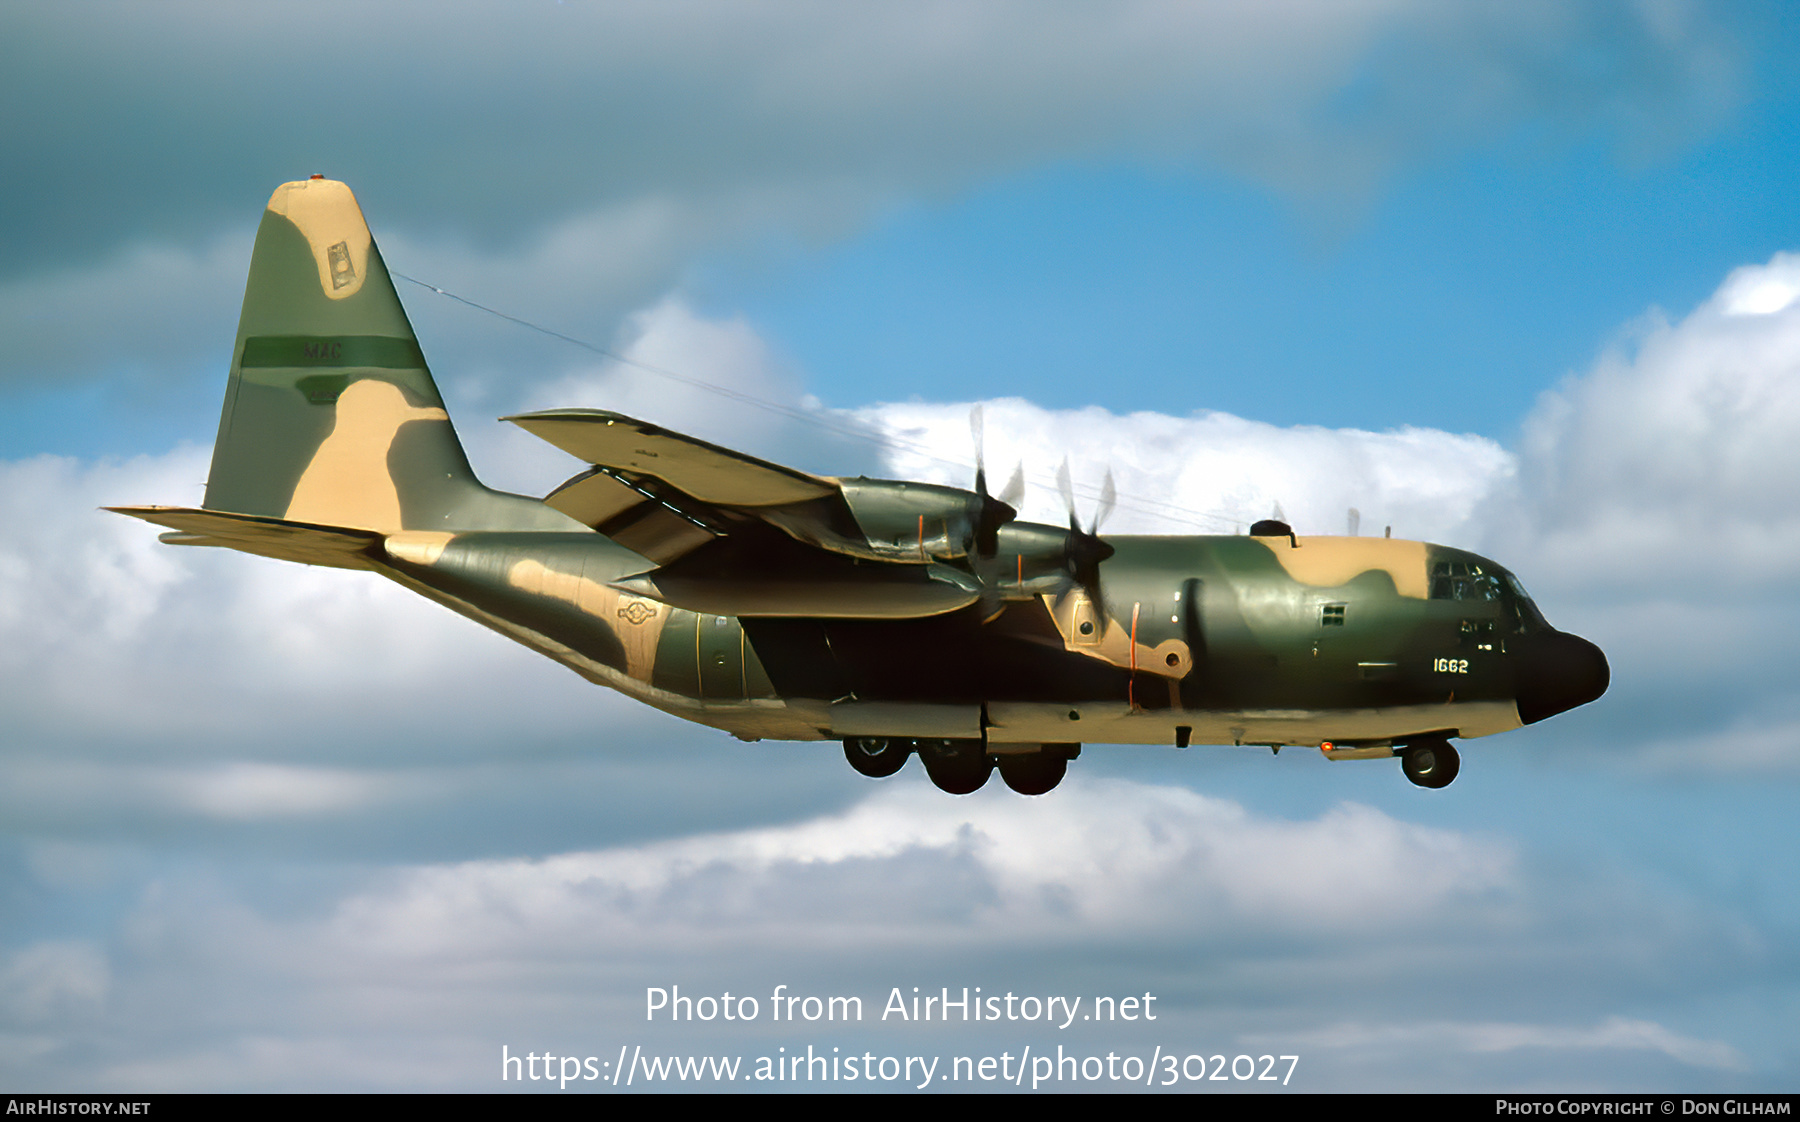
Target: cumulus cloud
(1352, 915)
(109, 632)
(1669, 465)
(715, 379)
(648, 139)
(834, 110)
(1106, 859)
(1206, 473)
(1654, 510)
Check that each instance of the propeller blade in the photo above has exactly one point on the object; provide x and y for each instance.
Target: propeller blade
(1109, 495)
(974, 434)
(1068, 492)
(1014, 493)
(989, 513)
(976, 427)
(1083, 550)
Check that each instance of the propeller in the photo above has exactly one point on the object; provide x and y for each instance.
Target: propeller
(1083, 550)
(992, 513)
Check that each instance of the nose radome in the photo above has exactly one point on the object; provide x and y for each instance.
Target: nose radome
(1556, 672)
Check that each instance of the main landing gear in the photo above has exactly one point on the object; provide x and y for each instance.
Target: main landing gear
(962, 767)
(876, 756)
(1430, 763)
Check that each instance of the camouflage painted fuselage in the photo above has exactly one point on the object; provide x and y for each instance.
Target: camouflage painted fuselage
(1237, 639)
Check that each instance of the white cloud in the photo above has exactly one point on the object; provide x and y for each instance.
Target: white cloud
(104, 631)
(1098, 859)
(717, 122)
(1207, 473)
(245, 791)
(715, 379)
(1667, 469)
(672, 351)
(1217, 905)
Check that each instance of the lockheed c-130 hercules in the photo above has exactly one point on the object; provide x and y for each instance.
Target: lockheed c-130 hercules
(901, 618)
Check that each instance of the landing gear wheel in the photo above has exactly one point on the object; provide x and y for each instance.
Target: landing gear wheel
(876, 756)
(1033, 774)
(955, 766)
(1430, 763)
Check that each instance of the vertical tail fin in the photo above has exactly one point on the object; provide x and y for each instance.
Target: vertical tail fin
(331, 415)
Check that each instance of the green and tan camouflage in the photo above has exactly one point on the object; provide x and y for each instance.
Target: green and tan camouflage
(901, 618)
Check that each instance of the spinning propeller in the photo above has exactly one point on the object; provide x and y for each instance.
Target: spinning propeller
(992, 513)
(1083, 550)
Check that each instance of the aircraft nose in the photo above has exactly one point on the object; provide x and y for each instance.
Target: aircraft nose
(1556, 672)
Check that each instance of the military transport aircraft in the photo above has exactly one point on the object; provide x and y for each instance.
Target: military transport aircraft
(901, 618)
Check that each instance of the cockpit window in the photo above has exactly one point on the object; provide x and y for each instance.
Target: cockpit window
(1524, 609)
(1463, 580)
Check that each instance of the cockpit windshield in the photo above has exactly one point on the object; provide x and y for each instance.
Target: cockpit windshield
(1520, 602)
(1486, 582)
(1464, 580)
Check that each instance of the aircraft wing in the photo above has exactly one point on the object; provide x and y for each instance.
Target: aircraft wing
(663, 494)
(666, 496)
(713, 475)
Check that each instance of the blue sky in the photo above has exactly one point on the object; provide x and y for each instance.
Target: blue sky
(1511, 279)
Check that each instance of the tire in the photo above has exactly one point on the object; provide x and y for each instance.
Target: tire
(876, 756)
(957, 767)
(1431, 763)
(1035, 774)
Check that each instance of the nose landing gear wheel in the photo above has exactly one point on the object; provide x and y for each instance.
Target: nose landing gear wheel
(876, 756)
(1430, 763)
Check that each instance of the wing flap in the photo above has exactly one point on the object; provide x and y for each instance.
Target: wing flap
(631, 515)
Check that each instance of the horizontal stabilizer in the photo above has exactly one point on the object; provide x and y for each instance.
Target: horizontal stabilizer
(305, 542)
(705, 471)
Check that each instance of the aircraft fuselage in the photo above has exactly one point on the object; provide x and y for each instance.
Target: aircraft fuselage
(1236, 639)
